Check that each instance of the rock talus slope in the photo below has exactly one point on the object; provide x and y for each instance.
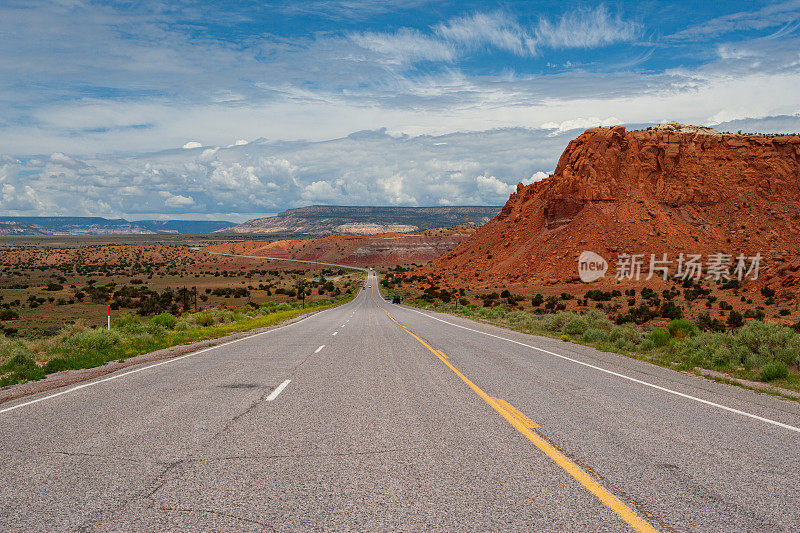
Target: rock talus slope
(667, 190)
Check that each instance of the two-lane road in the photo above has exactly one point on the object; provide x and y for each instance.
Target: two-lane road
(373, 416)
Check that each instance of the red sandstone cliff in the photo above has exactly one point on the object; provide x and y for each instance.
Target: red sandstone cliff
(658, 191)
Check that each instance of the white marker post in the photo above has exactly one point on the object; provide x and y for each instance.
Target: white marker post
(109, 317)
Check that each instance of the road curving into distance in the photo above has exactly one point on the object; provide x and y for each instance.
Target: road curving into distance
(375, 416)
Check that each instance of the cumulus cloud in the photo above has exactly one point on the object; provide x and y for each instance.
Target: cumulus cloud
(580, 123)
(494, 187)
(366, 168)
(192, 144)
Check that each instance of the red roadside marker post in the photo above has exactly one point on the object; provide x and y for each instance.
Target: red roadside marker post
(109, 317)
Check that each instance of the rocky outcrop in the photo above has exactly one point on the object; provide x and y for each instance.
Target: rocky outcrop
(665, 190)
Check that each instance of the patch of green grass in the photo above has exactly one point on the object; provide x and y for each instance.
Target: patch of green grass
(78, 346)
(774, 370)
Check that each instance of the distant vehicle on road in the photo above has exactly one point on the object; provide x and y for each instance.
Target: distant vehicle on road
(369, 286)
(396, 300)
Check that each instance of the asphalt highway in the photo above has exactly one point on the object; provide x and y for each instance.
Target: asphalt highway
(372, 416)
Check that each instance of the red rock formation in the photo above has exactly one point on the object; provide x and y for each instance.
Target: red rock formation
(387, 249)
(657, 191)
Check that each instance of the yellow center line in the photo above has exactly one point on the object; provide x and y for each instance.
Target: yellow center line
(525, 425)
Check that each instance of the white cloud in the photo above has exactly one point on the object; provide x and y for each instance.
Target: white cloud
(178, 200)
(537, 176)
(770, 16)
(192, 144)
(579, 123)
(367, 168)
(585, 28)
(404, 46)
(497, 30)
(493, 186)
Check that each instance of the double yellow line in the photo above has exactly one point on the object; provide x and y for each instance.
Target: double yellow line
(526, 426)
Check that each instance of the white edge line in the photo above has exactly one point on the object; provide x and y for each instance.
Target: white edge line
(278, 390)
(129, 372)
(319, 349)
(639, 381)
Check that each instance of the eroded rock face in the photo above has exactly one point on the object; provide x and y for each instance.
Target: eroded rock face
(667, 190)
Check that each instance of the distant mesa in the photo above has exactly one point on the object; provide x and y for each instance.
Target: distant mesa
(669, 189)
(386, 249)
(344, 220)
(104, 226)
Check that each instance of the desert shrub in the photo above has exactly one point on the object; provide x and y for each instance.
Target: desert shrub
(659, 336)
(735, 319)
(594, 335)
(681, 328)
(95, 340)
(647, 345)
(203, 318)
(697, 350)
(768, 342)
(127, 322)
(165, 320)
(576, 326)
(773, 370)
(597, 320)
(8, 314)
(496, 312)
(566, 338)
(520, 319)
(625, 336)
(183, 324)
(14, 352)
(557, 321)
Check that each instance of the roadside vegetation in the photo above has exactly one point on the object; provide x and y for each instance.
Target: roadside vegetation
(754, 350)
(80, 346)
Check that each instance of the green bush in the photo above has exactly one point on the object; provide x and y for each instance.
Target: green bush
(773, 370)
(95, 340)
(647, 345)
(557, 321)
(203, 318)
(681, 328)
(594, 335)
(623, 336)
(183, 325)
(165, 320)
(597, 320)
(659, 336)
(576, 326)
(768, 342)
(128, 323)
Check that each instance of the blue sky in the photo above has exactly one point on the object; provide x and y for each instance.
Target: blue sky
(91, 91)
